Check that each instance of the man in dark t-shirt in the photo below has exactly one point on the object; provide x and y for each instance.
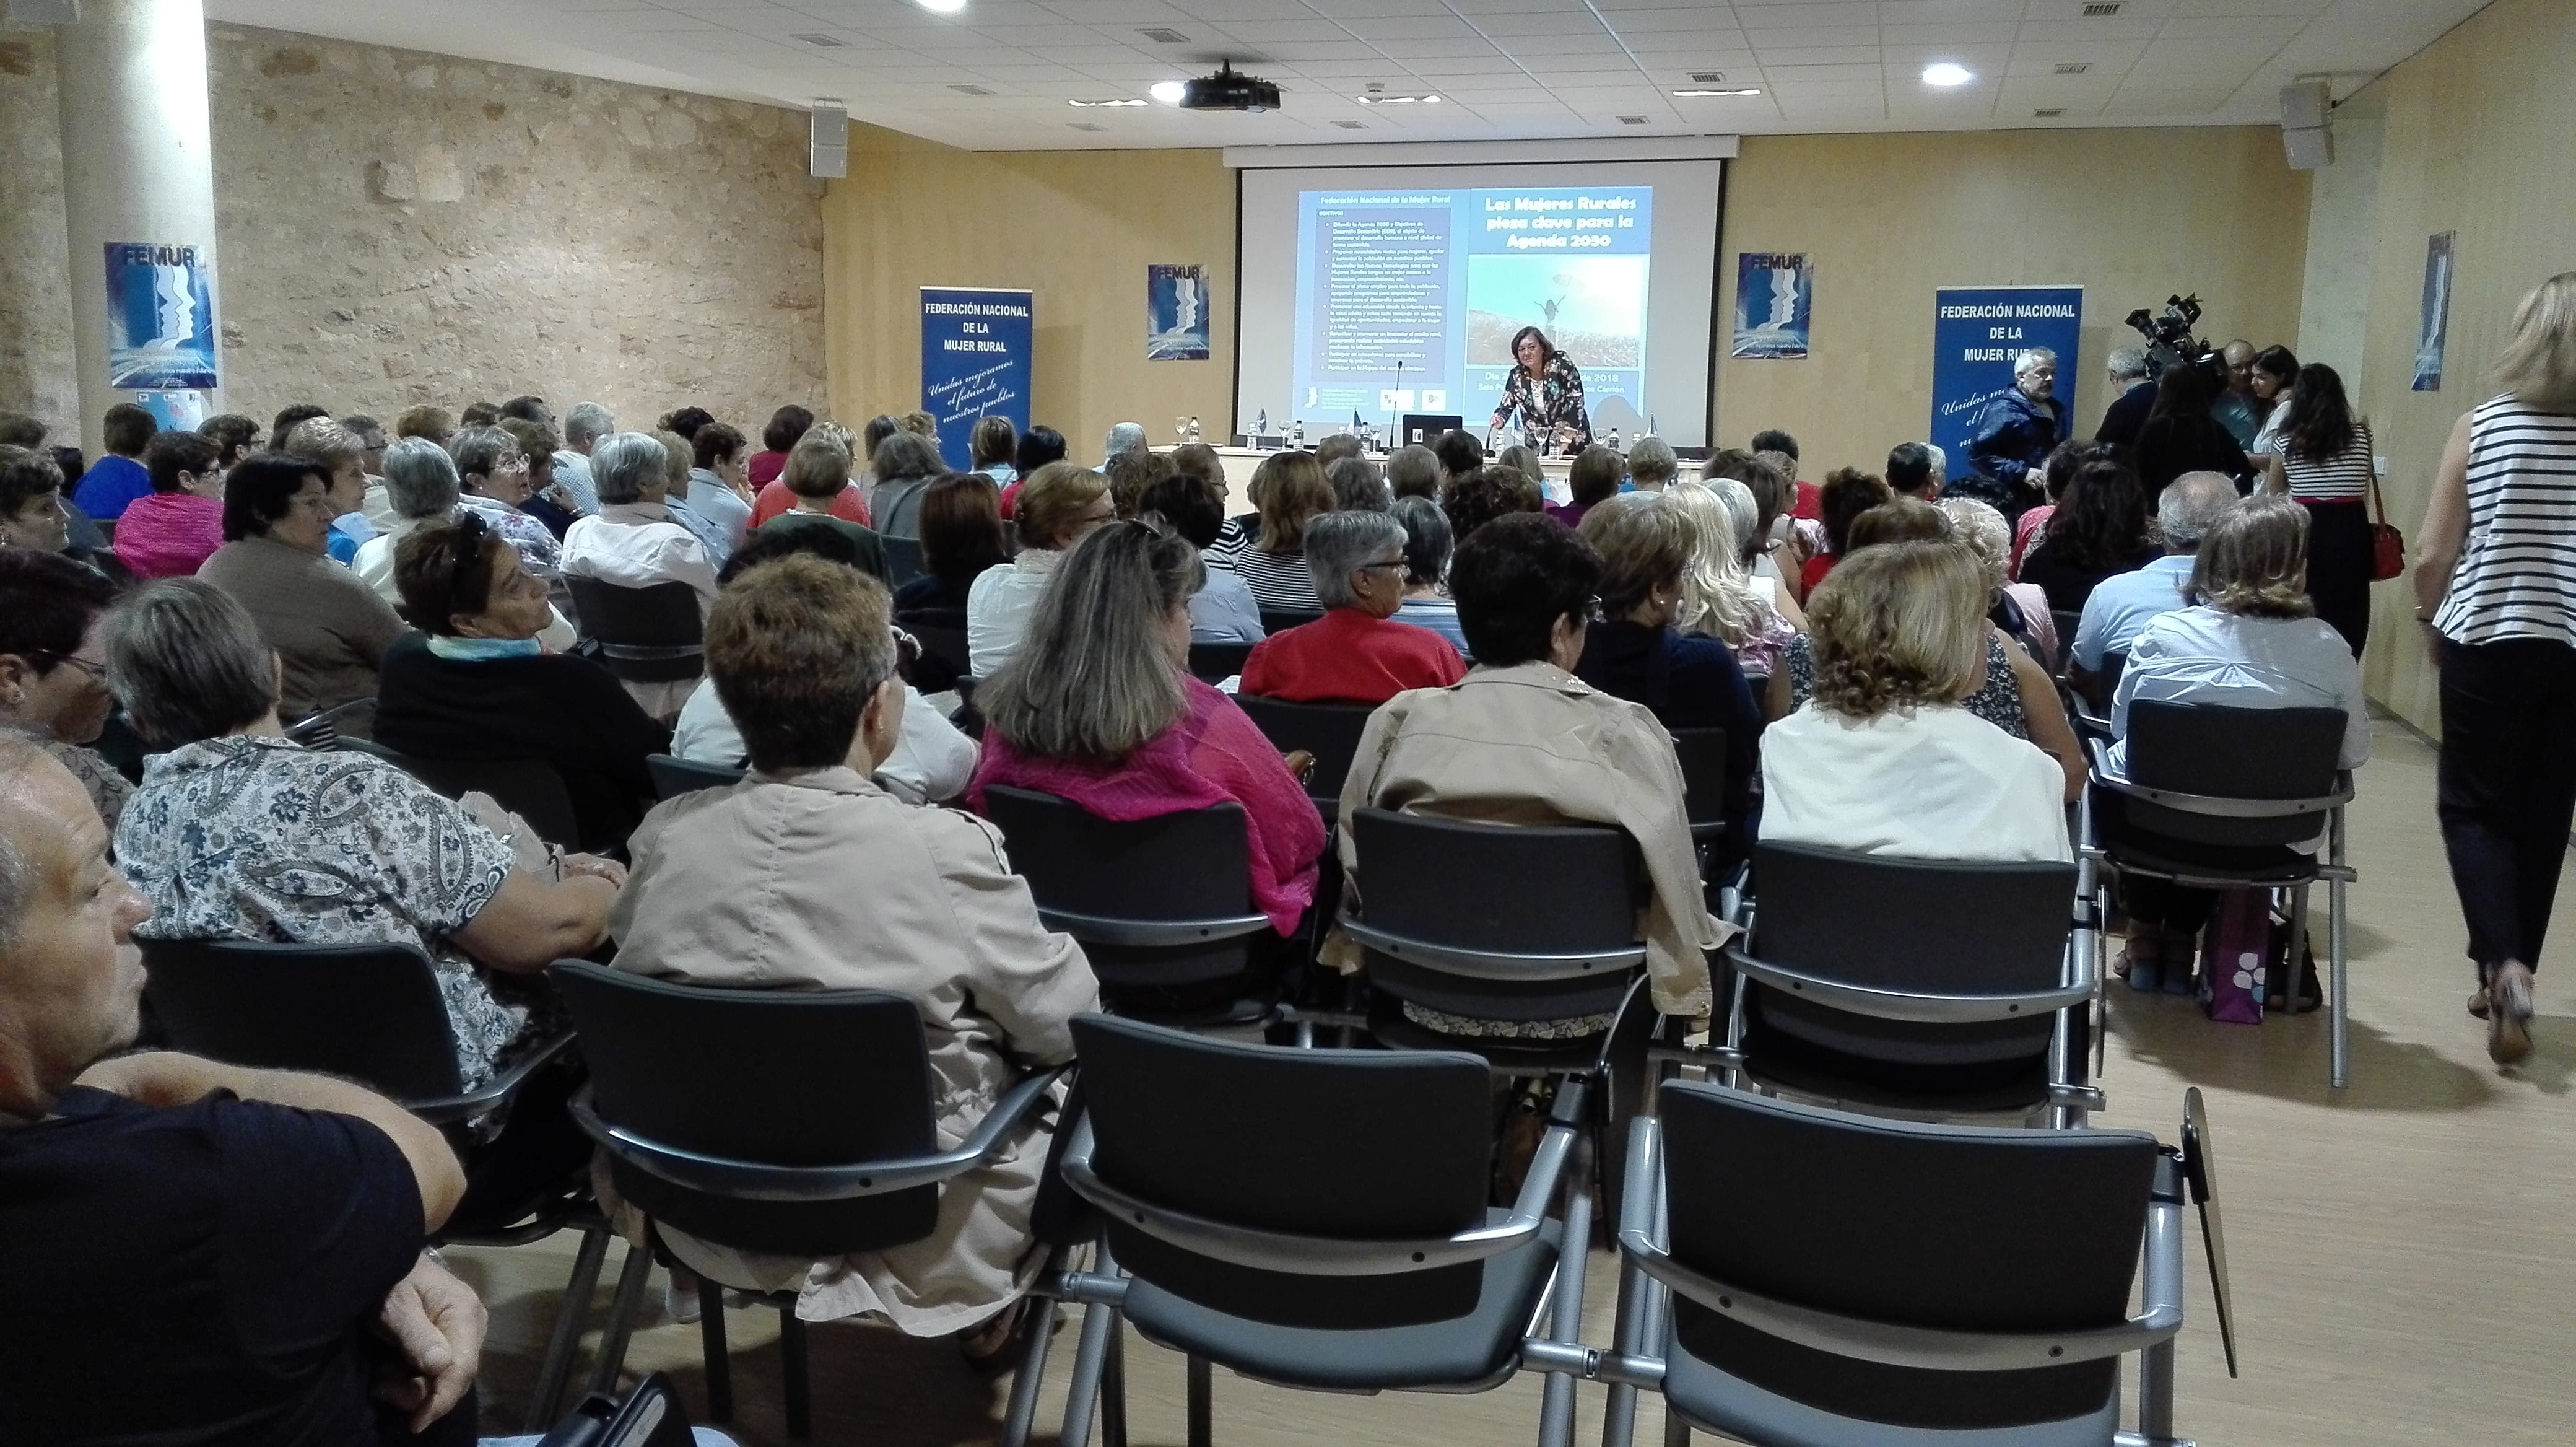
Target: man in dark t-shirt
(195, 1253)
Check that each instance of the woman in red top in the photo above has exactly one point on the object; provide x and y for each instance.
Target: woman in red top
(786, 425)
(1098, 707)
(1848, 492)
(1356, 652)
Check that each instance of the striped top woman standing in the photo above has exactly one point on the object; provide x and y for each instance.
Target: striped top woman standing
(2324, 461)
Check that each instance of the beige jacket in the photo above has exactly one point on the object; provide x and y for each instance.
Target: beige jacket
(824, 881)
(1533, 744)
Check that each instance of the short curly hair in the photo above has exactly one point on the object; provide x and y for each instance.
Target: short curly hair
(1485, 494)
(1514, 579)
(1898, 626)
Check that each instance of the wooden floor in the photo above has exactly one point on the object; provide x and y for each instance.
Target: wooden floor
(2404, 1252)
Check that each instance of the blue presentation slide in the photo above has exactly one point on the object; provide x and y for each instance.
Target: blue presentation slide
(1440, 280)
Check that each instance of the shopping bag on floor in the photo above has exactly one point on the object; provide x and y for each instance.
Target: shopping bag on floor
(2238, 952)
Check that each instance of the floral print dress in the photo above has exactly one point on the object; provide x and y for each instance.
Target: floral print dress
(1550, 409)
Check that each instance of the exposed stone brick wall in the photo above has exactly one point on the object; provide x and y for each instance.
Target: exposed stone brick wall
(397, 227)
(35, 291)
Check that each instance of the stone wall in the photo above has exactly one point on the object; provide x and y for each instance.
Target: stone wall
(397, 227)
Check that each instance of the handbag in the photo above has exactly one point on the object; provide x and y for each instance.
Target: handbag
(2239, 948)
(2387, 544)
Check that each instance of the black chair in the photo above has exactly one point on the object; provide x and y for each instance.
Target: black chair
(687, 1085)
(674, 777)
(651, 1415)
(1163, 906)
(1329, 731)
(1280, 620)
(1703, 758)
(1217, 662)
(2067, 621)
(903, 559)
(372, 1014)
(1314, 1219)
(644, 635)
(529, 788)
(1925, 987)
(2222, 798)
(948, 645)
(1794, 1275)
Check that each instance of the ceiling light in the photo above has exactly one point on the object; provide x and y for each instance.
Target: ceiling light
(1397, 100)
(1745, 90)
(1129, 101)
(1163, 36)
(973, 90)
(2073, 67)
(821, 42)
(1167, 91)
(943, 7)
(1350, 125)
(1947, 73)
(2048, 113)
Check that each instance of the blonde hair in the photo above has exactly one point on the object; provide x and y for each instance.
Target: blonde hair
(1643, 544)
(1899, 626)
(1091, 681)
(1717, 593)
(2254, 561)
(1052, 499)
(1982, 528)
(2539, 364)
(1292, 491)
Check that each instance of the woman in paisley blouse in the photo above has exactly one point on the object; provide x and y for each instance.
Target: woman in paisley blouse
(53, 686)
(240, 833)
(1546, 393)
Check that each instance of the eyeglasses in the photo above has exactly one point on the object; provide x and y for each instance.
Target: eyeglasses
(97, 671)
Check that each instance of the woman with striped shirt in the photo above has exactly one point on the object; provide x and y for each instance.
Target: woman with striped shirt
(2324, 462)
(1292, 493)
(2495, 588)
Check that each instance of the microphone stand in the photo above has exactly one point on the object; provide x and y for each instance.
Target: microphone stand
(1398, 399)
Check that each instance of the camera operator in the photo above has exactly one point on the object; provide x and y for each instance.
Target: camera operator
(2234, 408)
(2014, 436)
(2133, 393)
(2182, 434)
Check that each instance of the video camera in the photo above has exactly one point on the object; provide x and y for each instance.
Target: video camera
(2169, 338)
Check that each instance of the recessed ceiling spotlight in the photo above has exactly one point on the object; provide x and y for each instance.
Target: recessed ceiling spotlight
(1947, 73)
(1167, 91)
(2048, 113)
(942, 7)
(1396, 100)
(1129, 101)
(1742, 90)
(1350, 125)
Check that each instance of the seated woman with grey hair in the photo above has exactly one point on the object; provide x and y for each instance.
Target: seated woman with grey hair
(750, 886)
(1652, 464)
(239, 833)
(2020, 609)
(493, 475)
(1357, 652)
(905, 465)
(1097, 706)
(423, 481)
(634, 542)
(1427, 545)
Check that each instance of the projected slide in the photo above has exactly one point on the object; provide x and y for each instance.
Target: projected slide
(1439, 280)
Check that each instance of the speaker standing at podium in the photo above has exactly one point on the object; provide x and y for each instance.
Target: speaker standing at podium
(1546, 392)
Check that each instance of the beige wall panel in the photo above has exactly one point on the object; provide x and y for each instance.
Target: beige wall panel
(1076, 227)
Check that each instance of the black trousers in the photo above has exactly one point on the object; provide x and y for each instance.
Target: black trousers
(2339, 558)
(2507, 787)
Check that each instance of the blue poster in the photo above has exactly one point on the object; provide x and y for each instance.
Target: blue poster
(1775, 298)
(1176, 314)
(1976, 333)
(976, 350)
(160, 317)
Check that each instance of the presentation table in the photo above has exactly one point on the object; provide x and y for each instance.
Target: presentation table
(1239, 463)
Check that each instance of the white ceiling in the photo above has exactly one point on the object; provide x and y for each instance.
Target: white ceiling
(1505, 69)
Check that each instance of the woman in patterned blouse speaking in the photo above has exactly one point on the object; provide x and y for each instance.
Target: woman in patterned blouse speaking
(1545, 392)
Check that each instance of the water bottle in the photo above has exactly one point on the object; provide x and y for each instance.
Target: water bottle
(1297, 433)
(1261, 422)
(1194, 429)
(1614, 439)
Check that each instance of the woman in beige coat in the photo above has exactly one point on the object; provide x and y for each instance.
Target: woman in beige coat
(806, 875)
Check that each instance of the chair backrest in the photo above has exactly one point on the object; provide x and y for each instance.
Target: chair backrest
(1703, 758)
(1191, 865)
(529, 788)
(903, 558)
(1938, 926)
(1499, 890)
(777, 1077)
(1355, 1144)
(369, 1013)
(1217, 662)
(1950, 1227)
(647, 635)
(2067, 621)
(1330, 731)
(2233, 753)
(674, 777)
(945, 644)
(1280, 620)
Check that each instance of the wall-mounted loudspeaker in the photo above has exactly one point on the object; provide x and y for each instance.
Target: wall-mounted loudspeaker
(2305, 134)
(828, 153)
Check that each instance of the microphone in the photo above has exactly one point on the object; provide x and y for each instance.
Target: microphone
(1391, 424)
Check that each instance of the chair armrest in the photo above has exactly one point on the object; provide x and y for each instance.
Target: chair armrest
(1496, 965)
(1912, 1005)
(1643, 1186)
(2214, 805)
(760, 1181)
(450, 1109)
(1300, 1255)
(1092, 929)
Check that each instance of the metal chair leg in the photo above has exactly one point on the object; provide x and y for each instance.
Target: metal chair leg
(1202, 1403)
(547, 1404)
(2340, 1054)
(791, 1373)
(631, 1279)
(1082, 1394)
(1021, 1417)
(2292, 965)
(713, 1351)
(1556, 1396)
(1113, 1387)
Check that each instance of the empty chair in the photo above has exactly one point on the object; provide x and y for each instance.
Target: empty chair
(1162, 906)
(1703, 757)
(688, 1091)
(1836, 1280)
(2212, 797)
(1923, 986)
(1313, 1219)
(1280, 620)
(674, 777)
(903, 558)
(1329, 731)
(645, 635)
(1217, 662)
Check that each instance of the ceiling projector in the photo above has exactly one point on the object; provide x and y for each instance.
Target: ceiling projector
(1229, 90)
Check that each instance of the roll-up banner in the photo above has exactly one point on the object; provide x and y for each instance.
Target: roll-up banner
(1976, 333)
(977, 349)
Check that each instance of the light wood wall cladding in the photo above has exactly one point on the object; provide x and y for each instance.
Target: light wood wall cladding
(2478, 141)
(1076, 227)
(2133, 216)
